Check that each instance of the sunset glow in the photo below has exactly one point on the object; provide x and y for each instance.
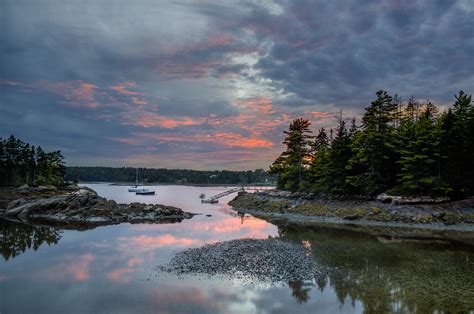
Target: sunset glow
(214, 80)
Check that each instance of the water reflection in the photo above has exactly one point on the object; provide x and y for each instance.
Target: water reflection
(300, 290)
(16, 238)
(112, 269)
(390, 277)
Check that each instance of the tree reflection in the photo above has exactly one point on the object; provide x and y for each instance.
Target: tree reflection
(16, 238)
(300, 290)
(389, 276)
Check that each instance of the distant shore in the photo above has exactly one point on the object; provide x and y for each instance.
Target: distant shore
(179, 184)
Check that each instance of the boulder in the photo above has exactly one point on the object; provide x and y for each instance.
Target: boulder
(400, 200)
(72, 187)
(83, 191)
(384, 198)
(37, 206)
(46, 188)
(16, 203)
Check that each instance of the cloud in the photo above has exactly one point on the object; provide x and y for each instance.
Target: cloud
(122, 88)
(216, 79)
(150, 119)
(75, 93)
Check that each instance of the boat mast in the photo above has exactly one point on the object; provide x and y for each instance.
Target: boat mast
(136, 177)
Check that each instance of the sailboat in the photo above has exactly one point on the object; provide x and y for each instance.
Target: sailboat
(135, 188)
(139, 190)
(145, 192)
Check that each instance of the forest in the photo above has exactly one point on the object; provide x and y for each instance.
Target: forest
(180, 176)
(22, 163)
(400, 147)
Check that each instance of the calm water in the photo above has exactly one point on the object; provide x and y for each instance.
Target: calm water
(111, 269)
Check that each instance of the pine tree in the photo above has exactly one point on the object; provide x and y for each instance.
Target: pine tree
(457, 145)
(339, 154)
(319, 163)
(420, 155)
(374, 155)
(292, 165)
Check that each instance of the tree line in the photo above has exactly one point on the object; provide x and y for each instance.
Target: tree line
(21, 163)
(401, 147)
(150, 175)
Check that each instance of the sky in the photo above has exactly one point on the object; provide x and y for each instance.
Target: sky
(213, 84)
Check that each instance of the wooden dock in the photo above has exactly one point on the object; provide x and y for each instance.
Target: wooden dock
(215, 199)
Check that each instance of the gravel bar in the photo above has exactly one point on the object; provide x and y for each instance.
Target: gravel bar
(269, 260)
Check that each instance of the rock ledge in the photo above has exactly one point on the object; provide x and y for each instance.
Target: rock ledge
(82, 207)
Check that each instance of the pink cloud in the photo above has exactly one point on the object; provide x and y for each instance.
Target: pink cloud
(220, 40)
(221, 138)
(76, 93)
(139, 101)
(234, 139)
(147, 119)
(173, 70)
(321, 115)
(122, 88)
(262, 105)
(232, 159)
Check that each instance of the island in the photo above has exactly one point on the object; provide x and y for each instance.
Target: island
(78, 207)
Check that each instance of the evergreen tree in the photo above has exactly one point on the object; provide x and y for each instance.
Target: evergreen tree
(406, 148)
(20, 163)
(318, 168)
(420, 155)
(373, 161)
(292, 165)
(457, 145)
(335, 169)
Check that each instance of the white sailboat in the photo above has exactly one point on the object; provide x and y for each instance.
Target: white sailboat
(139, 190)
(135, 188)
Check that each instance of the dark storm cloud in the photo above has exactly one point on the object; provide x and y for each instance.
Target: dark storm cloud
(217, 80)
(342, 52)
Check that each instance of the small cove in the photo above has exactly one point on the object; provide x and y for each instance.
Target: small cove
(113, 268)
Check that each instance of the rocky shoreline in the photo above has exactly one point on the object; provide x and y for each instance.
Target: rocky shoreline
(75, 207)
(446, 220)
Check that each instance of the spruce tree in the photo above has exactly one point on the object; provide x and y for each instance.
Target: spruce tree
(373, 161)
(457, 145)
(339, 154)
(319, 164)
(420, 155)
(292, 165)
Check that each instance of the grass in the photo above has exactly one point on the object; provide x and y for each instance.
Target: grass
(340, 210)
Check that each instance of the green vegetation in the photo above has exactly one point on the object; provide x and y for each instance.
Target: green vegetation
(21, 163)
(406, 148)
(295, 159)
(109, 174)
(352, 210)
